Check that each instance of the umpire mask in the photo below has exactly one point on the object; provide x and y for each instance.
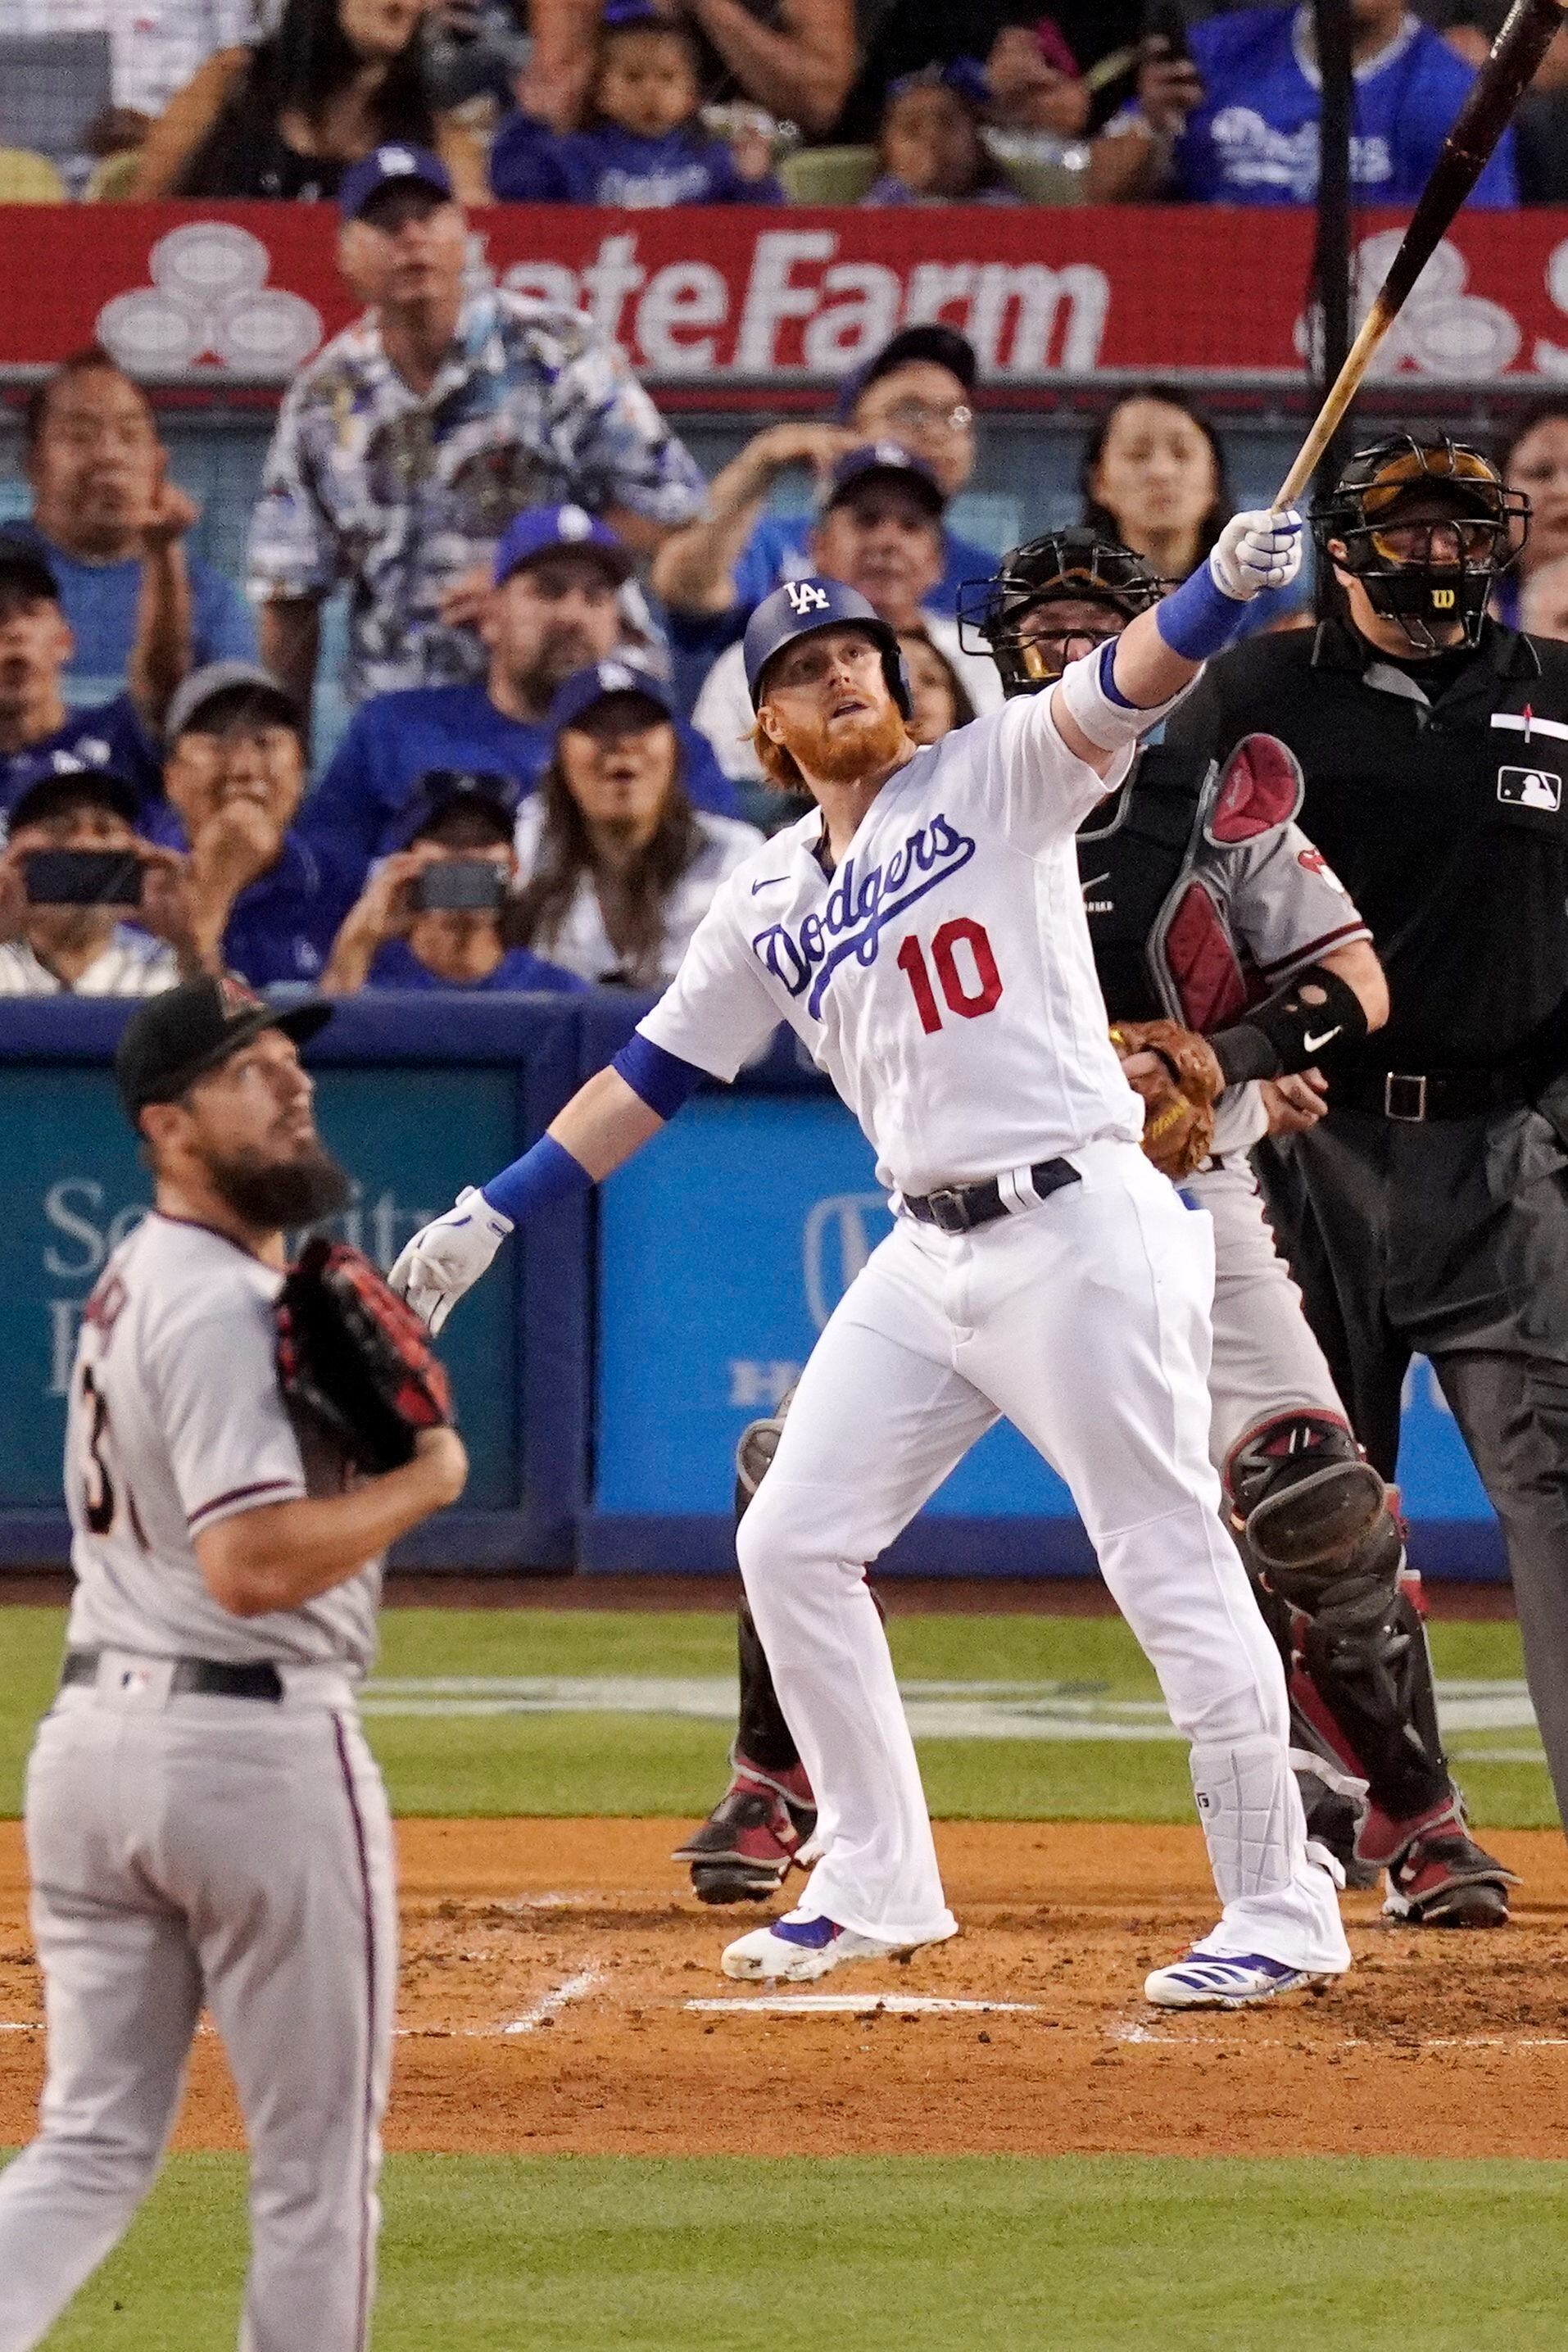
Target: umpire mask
(1427, 527)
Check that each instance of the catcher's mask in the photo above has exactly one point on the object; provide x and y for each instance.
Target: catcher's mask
(1008, 617)
(1443, 487)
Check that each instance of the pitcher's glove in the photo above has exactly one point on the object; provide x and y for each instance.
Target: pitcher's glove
(352, 1355)
(1179, 1094)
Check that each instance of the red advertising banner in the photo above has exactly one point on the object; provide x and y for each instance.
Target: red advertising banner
(248, 293)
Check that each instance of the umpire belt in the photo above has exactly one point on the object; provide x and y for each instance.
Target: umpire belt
(1412, 1097)
(961, 1208)
(196, 1677)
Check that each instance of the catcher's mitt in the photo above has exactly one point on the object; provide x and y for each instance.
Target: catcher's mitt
(1178, 1097)
(353, 1356)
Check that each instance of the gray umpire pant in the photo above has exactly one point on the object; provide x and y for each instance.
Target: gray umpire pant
(233, 1852)
(1449, 1239)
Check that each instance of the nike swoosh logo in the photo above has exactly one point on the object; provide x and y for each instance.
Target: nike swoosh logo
(1095, 884)
(1312, 1044)
(772, 883)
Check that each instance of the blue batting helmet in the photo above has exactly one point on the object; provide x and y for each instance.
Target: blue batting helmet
(799, 609)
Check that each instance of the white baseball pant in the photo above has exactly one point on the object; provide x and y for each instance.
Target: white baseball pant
(1086, 1321)
(1266, 1361)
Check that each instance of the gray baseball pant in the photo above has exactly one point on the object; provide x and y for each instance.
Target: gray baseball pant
(1449, 1239)
(233, 1852)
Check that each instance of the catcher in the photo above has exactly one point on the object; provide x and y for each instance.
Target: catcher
(1231, 956)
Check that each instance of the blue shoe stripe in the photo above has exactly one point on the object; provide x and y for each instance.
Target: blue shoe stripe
(814, 1935)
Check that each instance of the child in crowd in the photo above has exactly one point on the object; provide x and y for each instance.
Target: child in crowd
(643, 144)
(931, 147)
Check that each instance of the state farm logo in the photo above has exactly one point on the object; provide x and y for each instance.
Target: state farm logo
(209, 303)
(1443, 330)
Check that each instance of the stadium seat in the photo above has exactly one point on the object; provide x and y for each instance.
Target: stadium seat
(29, 179)
(828, 176)
(53, 88)
(1042, 184)
(112, 179)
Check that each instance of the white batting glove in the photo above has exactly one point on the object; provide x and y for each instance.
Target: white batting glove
(1255, 552)
(448, 1257)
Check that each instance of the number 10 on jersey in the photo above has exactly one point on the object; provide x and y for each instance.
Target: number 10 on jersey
(965, 972)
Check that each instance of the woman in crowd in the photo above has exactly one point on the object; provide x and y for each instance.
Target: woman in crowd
(942, 701)
(287, 118)
(438, 913)
(1536, 462)
(618, 867)
(1153, 477)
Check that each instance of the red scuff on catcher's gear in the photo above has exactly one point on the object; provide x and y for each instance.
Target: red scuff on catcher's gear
(355, 1357)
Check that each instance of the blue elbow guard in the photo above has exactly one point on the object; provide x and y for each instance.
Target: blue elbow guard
(661, 1080)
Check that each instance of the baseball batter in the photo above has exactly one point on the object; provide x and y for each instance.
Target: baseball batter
(205, 1821)
(922, 930)
(1207, 905)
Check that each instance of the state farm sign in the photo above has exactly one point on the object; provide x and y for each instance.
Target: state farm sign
(760, 296)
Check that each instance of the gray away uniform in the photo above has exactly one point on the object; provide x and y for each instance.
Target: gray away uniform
(189, 1849)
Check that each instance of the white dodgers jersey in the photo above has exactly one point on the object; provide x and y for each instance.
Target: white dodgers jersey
(941, 975)
(176, 1423)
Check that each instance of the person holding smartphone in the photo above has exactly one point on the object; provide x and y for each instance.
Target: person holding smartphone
(435, 915)
(87, 908)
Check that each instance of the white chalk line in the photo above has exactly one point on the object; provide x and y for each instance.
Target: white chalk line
(829, 2004)
(549, 2006)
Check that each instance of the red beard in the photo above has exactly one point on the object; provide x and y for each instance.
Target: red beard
(842, 754)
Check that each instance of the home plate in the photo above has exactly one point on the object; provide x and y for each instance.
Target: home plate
(849, 2004)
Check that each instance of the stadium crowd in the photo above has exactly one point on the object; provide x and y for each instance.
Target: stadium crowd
(548, 764)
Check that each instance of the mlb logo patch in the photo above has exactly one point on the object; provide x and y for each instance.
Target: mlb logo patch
(1531, 788)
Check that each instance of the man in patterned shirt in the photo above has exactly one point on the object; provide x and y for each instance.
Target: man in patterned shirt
(407, 446)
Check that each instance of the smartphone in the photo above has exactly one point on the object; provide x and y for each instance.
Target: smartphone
(465, 885)
(1164, 20)
(84, 877)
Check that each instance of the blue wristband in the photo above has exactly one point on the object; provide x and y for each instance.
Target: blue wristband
(658, 1078)
(1198, 618)
(546, 1172)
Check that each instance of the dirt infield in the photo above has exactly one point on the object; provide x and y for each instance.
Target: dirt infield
(551, 1969)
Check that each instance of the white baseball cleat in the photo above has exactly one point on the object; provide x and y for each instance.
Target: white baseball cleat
(798, 1948)
(1202, 1980)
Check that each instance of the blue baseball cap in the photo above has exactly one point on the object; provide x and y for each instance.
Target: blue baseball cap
(388, 167)
(439, 790)
(940, 345)
(888, 460)
(579, 693)
(545, 530)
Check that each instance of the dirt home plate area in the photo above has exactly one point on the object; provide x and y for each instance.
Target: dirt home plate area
(561, 1994)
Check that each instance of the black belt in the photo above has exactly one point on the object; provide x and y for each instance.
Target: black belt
(960, 1208)
(199, 1677)
(1412, 1097)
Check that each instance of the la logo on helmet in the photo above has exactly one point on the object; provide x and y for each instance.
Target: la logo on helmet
(806, 596)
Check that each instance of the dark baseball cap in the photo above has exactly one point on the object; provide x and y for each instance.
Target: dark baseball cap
(74, 788)
(941, 346)
(177, 1038)
(21, 566)
(388, 167)
(440, 790)
(881, 460)
(577, 694)
(190, 702)
(546, 531)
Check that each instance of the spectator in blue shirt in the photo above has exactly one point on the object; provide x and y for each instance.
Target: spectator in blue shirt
(266, 902)
(555, 610)
(95, 461)
(643, 144)
(436, 913)
(39, 736)
(916, 389)
(1239, 123)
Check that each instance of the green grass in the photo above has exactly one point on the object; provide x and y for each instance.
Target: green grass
(923, 2254)
(616, 1764)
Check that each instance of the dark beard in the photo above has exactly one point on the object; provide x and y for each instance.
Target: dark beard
(271, 1196)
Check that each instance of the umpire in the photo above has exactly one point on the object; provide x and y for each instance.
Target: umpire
(1428, 1212)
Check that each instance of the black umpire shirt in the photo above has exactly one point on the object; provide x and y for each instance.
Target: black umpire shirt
(1446, 817)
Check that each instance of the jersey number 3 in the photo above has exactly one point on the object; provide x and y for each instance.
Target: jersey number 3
(970, 984)
(98, 1487)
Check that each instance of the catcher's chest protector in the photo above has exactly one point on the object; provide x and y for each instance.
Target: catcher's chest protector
(1161, 946)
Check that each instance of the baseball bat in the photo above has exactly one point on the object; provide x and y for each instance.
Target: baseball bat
(1525, 38)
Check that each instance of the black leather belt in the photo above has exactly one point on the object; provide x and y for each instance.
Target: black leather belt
(198, 1677)
(960, 1208)
(1412, 1097)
